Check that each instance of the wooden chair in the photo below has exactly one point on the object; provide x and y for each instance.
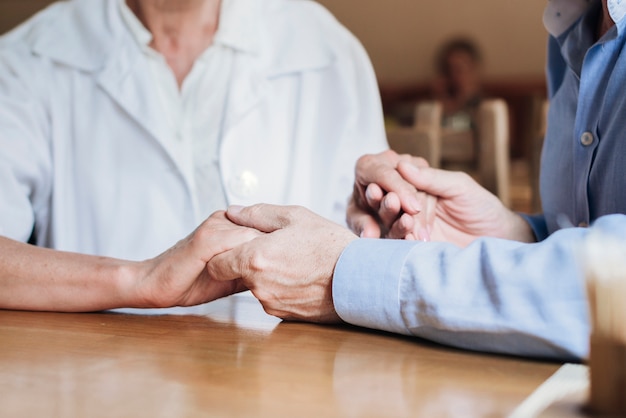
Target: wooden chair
(428, 114)
(492, 123)
(423, 139)
(418, 141)
(488, 161)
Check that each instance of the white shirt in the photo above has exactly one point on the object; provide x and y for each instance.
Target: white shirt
(196, 110)
(559, 15)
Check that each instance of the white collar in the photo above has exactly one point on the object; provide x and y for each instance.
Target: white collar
(238, 25)
(93, 36)
(559, 15)
(617, 9)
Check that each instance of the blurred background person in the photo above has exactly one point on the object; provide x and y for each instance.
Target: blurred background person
(458, 82)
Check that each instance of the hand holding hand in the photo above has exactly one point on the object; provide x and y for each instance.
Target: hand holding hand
(384, 204)
(465, 210)
(290, 268)
(179, 276)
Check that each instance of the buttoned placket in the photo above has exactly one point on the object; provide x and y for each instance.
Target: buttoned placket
(588, 115)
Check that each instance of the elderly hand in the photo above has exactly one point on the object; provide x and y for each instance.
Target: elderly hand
(290, 268)
(384, 204)
(179, 276)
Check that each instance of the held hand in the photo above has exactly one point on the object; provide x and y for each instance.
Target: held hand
(290, 268)
(179, 276)
(384, 204)
(465, 210)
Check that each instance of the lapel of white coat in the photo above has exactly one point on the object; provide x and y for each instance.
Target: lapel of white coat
(90, 36)
(125, 78)
(277, 39)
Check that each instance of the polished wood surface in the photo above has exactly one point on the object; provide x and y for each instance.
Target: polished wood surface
(236, 361)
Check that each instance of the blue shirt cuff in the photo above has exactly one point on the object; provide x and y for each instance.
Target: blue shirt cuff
(366, 284)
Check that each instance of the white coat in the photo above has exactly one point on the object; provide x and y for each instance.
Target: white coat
(83, 156)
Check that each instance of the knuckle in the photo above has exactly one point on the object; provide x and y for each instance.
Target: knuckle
(421, 162)
(291, 214)
(464, 177)
(258, 263)
(256, 210)
(389, 154)
(297, 212)
(365, 161)
(203, 232)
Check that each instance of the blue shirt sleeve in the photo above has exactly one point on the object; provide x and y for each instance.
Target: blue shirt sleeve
(494, 295)
(556, 66)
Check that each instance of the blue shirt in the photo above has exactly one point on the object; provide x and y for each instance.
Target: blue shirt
(505, 296)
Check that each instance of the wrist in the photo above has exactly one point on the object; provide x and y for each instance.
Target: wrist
(128, 277)
(519, 229)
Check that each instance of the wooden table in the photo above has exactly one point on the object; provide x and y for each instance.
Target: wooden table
(236, 361)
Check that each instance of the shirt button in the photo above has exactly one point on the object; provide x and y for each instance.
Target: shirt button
(245, 184)
(586, 139)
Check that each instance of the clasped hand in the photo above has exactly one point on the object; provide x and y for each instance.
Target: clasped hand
(400, 196)
(289, 267)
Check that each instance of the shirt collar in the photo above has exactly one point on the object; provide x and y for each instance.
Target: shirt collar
(137, 29)
(238, 27)
(560, 15)
(617, 9)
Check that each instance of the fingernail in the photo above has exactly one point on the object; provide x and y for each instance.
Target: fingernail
(235, 209)
(413, 169)
(423, 235)
(414, 205)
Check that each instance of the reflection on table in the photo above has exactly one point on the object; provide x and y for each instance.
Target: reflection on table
(234, 360)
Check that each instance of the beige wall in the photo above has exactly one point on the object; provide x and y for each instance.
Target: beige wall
(401, 35)
(14, 11)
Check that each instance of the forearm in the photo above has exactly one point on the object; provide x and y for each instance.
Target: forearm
(33, 278)
(495, 295)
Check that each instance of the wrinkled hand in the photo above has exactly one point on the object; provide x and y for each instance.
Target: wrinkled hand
(179, 276)
(290, 268)
(464, 210)
(384, 204)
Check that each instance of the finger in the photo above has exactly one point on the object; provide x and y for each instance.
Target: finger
(362, 223)
(419, 162)
(374, 196)
(424, 221)
(381, 169)
(402, 228)
(361, 214)
(211, 238)
(390, 209)
(215, 290)
(431, 215)
(227, 265)
(434, 181)
(264, 217)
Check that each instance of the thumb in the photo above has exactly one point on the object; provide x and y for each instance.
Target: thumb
(263, 217)
(434, 181)
(364, 225)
